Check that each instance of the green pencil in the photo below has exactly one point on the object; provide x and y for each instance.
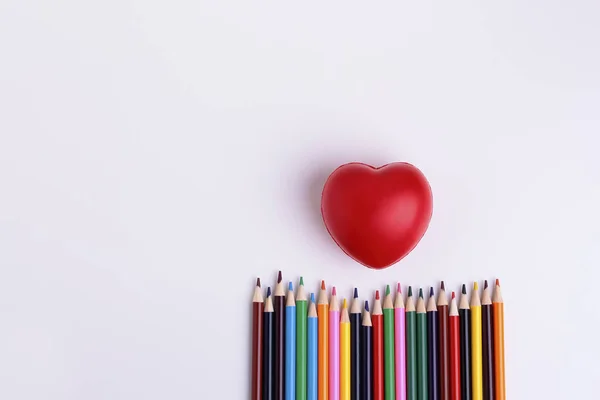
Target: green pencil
(388, 346)
(422, 381)
(301, 341)
(411, 348)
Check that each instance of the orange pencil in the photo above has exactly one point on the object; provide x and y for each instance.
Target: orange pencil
(323, 320)
(498, 313)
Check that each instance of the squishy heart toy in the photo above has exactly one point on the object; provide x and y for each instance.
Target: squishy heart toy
(377, 215)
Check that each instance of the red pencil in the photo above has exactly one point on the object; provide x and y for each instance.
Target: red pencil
(377, 321)
(454, 350)
(257, 342)
(444, 374)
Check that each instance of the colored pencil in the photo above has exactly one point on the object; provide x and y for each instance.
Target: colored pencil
(411, 348)
(279, 305)
(487, 343)
(323, 314)
(355, 356)
(313, 352)
(465, 345)
(498, 311)
(366, 346)
(442, 307)
(334, 346)
(344, 353)
(400, 344)
(454, 349)
(389, 353)
(257, 342)
(301, 340)
(432, 348)
(422, 364)
(268, 348)
(290, 345)
(377, 320)
(476, 356)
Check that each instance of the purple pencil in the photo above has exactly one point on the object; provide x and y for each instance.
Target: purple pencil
(400, 345)
(334, 347)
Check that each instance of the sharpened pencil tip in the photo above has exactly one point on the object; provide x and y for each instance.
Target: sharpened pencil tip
(485, 285)
(442, 286)
(421, 292)
(367, 305)
(290, 286)
(497, 282)
(312, 297)
(399, 288)
(409, 291)
(355, 293)
(344, 304)
(258, 282)
(333, 291)
(377, 295)
(453, 295)
(464, 289)
(301, 281)
(475, 286)
(269, 291)
(322, 285)
(387, 290)
(431, 291)
(279, 277)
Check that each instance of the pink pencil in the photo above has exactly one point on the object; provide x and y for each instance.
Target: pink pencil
(400, 345)
(334, 347)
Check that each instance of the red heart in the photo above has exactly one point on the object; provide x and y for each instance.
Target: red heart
(377, 215)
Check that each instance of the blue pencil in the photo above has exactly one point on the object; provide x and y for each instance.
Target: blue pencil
(290, 345)
(313, 328)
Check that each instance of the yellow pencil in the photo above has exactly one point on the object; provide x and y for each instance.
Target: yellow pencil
(476, 349)
(345, 353)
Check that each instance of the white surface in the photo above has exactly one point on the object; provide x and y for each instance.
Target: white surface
(155, 157)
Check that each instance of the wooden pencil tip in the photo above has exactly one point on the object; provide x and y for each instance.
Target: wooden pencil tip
(322, 285)
(497, 282)
(269, 291)
(399, 288)
(409, 291)
(258, 282)
(355, 293)
(485, 285)
(279, 277)
(442, 286)
(377, 295)
(387, 290)
(453, 295)
(333, 291)
(367, 305)
(464, 289)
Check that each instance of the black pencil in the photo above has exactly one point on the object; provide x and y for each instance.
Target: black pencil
(432, 347)
(464, 313)
(268, 349)
(279, 305)
(355, 359)
(366, 342)
(487, 329)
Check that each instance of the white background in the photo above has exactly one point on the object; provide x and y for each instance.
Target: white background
(156, 157)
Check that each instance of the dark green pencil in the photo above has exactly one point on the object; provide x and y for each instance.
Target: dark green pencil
(422, 377)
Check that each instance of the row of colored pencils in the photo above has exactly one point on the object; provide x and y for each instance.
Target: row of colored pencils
(406, 350)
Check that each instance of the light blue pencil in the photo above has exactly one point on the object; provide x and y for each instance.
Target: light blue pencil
(312, 363)
(290, 345)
